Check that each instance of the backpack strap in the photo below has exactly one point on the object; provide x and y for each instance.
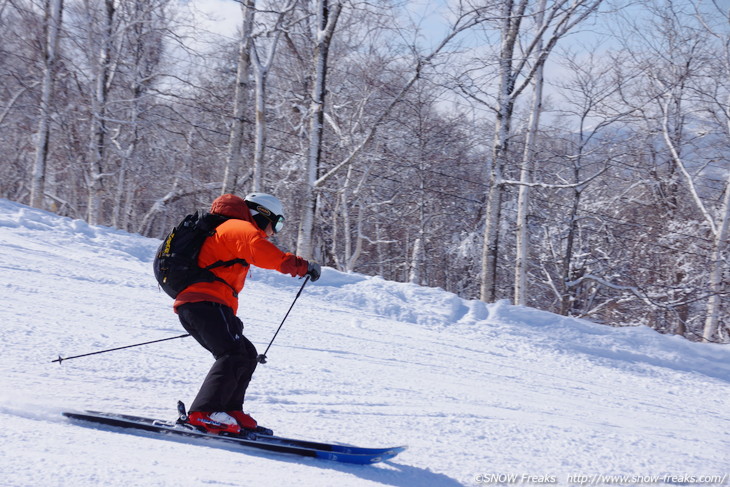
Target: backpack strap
(226, 263)
(213, 220)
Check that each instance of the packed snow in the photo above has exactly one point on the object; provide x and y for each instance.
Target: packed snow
(481, 393)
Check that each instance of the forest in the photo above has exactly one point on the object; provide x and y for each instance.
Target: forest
(569, 155)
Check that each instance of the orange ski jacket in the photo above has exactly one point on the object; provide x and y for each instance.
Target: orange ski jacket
(238, 238)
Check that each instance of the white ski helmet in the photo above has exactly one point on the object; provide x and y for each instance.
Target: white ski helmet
(266, 208)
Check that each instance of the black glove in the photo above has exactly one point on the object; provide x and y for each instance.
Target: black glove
(314, 270)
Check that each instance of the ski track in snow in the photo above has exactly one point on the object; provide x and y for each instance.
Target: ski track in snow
(472, 389)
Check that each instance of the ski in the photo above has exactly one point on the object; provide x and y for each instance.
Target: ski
(268, 435)
(272, 443)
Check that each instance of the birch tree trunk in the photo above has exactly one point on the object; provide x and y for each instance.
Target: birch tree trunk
(326, 23)
(346, 203)
(720, 251)
(523, 198)
(414, 275)
(234, 157)
(260, 77)
(354, 253)
(261, 74)
(53, 15)
(716, 276)
(97, 143)
(511, 16)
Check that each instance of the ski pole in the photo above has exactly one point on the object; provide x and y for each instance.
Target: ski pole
(262, 357)
(61, 359)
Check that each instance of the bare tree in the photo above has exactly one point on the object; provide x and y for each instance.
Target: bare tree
(685, 83)
(141, 61)
(326, 22)
(592, 103)
(719, 264)
(262, 63)
(465, 19)
(53, 12)
(101, 43)
(234, 157)
(516, 70)
(528, 159)
(721, 108)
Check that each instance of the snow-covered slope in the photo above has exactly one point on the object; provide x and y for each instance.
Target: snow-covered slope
(477, 391)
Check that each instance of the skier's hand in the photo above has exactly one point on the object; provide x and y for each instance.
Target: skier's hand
(314, 270)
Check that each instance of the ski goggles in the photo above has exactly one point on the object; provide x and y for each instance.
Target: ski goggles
(277, 223)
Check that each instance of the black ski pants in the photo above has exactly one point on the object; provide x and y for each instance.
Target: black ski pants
(217, 328)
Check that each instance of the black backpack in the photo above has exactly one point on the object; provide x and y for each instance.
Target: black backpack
(176, 262)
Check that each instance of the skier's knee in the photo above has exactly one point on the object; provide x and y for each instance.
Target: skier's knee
(241, 356)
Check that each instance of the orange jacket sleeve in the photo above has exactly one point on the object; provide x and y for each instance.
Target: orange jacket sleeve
(260, 252)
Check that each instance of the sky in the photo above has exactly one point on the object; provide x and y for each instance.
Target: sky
(215, 20)
(222, 17)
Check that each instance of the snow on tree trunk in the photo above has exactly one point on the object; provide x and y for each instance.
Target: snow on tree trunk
(53, 15)
(260, 130)
(511, 20)
(414, 275)
(326, 23)
(718, 264)
(261, 73)
(234, 158)
(97, 142)
(719, 256)
(523, 199)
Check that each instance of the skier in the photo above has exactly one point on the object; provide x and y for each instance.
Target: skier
(207, 310)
